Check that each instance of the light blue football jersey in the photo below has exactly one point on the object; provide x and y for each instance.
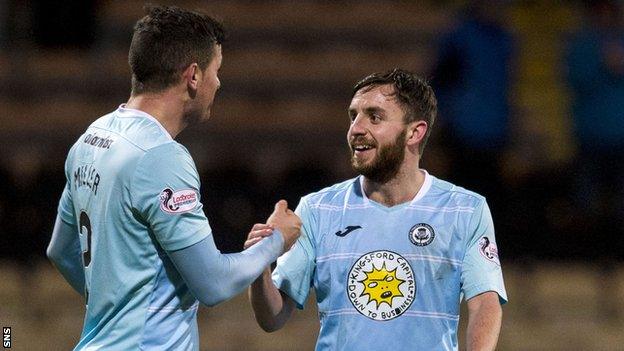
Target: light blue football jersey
(391, 278)
(133, 192)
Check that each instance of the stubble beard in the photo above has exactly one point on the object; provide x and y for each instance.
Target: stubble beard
(386, 163)
(191, 119)
(197, 114)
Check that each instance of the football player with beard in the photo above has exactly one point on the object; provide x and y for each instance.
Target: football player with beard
(392, 252)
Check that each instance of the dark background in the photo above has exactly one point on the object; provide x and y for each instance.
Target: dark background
(531, 116)
(279, 124)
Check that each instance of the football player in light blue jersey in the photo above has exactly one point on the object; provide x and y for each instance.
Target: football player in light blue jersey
(392, 252)
(131, 234)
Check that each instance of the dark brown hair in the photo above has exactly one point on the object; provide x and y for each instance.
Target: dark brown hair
(166, 41)
(414, 94)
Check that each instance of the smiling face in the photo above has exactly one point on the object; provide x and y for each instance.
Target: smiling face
(377, 135)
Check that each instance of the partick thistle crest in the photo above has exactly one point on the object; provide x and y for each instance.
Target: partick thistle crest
(421, 234)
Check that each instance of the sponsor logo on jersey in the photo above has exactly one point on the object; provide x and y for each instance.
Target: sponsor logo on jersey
(347, 230)
(98, 141)
(421, 234)
(489, 250)
(381, 285)
(178, 201)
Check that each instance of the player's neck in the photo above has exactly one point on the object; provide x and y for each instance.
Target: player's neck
(400, 189)
(163, 108)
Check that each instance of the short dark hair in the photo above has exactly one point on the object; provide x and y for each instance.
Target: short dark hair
(166, 41)
(414, 94)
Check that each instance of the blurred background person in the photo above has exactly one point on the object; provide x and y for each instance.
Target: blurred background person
(595, 74)
(472, 76)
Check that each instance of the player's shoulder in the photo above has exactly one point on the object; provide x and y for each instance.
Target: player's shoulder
(454, 194)
(333, 194)
(103, 121)
(96, 135)
(128, 131)
(132, 128)
(167, 163)
(171, 155)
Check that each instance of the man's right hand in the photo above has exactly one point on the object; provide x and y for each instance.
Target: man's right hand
(287, 222)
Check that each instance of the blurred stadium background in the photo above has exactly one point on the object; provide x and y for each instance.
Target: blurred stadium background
(278, 130)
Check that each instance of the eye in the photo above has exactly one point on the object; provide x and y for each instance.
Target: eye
(352, 116)
(375, 118)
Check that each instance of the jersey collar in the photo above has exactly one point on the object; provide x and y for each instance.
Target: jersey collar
(424, 189)
(123, 111)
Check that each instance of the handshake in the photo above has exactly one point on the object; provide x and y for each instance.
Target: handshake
(282, 219)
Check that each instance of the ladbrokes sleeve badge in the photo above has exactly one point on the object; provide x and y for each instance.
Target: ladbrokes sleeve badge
(178, 201)
(489, 250)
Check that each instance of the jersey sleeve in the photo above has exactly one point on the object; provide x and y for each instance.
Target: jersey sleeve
(481, 269)
(165, 194)
(66, 205)
(295, 269)
(213, 277)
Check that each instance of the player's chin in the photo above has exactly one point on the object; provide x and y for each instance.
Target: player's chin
(360, 165)
(206, 115)
(362, 159)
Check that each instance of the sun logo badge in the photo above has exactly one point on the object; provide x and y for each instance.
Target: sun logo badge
(381, 285)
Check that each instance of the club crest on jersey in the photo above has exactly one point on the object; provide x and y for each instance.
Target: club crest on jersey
(489, 250)
(381, 285)
(178, 201)
(421, 234)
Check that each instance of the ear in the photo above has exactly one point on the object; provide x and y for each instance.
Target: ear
(191, 76)
(416, 132)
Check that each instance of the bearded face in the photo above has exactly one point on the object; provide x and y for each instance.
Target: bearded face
(379, 163)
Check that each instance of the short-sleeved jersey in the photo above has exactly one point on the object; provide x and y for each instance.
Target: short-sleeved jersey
(132, 193)
(391, 278)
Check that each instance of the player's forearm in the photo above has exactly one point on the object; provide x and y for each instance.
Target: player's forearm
(72, 271)
(242, 268)
(484, 322)
(65, 254)
(271, 308)
(213, 277)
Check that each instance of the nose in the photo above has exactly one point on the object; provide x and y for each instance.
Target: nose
(358, 126)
